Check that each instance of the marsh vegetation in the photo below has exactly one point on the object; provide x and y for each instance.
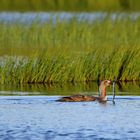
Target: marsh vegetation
(68, 5)
(69, 51)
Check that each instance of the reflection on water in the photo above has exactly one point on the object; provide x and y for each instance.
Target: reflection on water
(90, 88)
(41, 118)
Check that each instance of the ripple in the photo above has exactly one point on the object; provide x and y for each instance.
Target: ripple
(40, 117)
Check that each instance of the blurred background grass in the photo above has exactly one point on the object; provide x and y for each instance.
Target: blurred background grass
(69, 5)
(70, 51)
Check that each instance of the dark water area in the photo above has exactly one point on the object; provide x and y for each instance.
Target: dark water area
(31, 112)
(58, 89)
(42, 17)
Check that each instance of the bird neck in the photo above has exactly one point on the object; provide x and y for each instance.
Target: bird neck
(102, 90)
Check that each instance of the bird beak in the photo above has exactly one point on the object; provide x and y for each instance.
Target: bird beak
(109, 82)
(112, 81)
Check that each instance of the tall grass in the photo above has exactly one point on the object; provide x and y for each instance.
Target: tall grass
(69, 5)
(69, 51)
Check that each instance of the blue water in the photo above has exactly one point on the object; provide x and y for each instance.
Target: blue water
(41, 118)
(30, 17)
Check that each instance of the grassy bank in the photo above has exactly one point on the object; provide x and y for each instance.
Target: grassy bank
(69, 51)
(69, 5)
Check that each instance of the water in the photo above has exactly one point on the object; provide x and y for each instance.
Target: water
(29, 112)
(39, 117)
(30, 17)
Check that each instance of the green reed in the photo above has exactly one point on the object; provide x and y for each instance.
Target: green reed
(69, 5)
(69, 51)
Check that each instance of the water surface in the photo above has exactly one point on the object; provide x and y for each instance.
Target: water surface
(30, 17)
(40, 117)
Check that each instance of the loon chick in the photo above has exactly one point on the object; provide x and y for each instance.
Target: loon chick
(87, 98)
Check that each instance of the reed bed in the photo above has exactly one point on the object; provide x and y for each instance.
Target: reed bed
(70, 51)
(69, 5)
